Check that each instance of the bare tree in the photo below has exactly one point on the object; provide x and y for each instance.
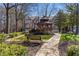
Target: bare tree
(7, 7)
(46, 9)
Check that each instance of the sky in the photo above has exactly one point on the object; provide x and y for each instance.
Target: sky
(58, 6)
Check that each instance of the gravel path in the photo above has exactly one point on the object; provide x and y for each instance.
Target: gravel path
(50, 48)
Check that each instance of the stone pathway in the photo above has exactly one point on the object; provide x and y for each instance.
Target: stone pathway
(14, 37)
(50, 48)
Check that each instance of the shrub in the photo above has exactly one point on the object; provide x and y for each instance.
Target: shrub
(77, 38)
(73, 50)
(2, 37)
(12, 50)
(67, 37)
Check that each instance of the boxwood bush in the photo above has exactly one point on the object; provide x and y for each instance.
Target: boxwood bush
(12, 50)
(73, 50)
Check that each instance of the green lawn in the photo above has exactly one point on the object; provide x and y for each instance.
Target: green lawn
(14, 34)
(33, 37)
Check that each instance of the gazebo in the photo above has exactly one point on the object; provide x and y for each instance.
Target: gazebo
(44, 25)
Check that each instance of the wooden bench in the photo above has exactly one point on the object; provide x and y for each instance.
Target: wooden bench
(34, 38)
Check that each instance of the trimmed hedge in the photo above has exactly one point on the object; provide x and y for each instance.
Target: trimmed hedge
(12, 50)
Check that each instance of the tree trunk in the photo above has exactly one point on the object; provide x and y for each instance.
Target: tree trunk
(77, 20)
(16, 17)
(59, 29)
(6, 30)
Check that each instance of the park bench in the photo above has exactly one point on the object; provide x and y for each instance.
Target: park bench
(34, 38)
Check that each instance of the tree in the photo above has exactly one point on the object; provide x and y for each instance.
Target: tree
(21, 11)
(41, 10)
(7, 7)
(73, 9)
(16, 15)
(62, 21)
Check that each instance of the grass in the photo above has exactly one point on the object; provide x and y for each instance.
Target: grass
(34, 37)
(14, 34)
(13, 37)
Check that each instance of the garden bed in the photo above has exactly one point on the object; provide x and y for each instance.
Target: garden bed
(67, 40)
(73, 50)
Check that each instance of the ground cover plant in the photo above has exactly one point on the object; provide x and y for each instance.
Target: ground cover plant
(69, 37)
(73, 50)
(12, 50)
(72, 46)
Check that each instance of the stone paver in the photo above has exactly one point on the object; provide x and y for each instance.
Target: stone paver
(50, 48)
